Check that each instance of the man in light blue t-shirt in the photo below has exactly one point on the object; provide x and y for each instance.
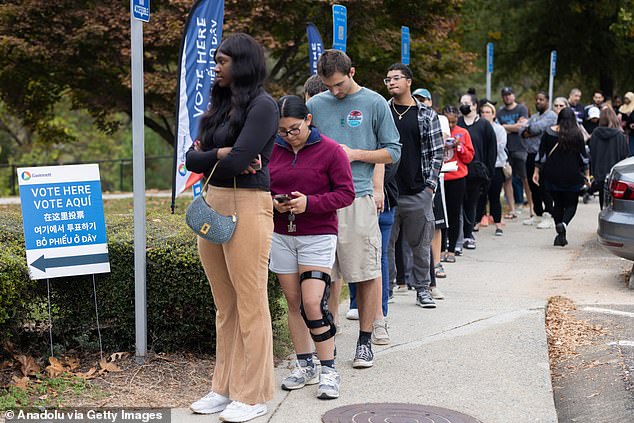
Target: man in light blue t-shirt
(361, 121)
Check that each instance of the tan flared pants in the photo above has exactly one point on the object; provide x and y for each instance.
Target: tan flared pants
(238, 275)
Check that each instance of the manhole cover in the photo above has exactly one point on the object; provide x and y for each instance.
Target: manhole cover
(395, 413)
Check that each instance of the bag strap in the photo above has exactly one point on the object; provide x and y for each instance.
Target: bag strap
(235, 200)
(553, 149)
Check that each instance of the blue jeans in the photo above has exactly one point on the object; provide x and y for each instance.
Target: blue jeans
(386, 219)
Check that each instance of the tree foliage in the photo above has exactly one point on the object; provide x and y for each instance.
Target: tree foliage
(81, 49)
(593, 40)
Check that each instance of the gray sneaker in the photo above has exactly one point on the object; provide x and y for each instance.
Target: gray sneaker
(300, 377)
(329, 381)
(379, 333)
(424, 300)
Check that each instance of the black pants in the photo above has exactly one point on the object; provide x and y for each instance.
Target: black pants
(542, 201)
(493, 197)
(564, 205)
(454, 195)
(470, 205)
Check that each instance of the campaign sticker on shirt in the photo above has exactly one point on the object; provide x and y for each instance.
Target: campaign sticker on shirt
(355, 117)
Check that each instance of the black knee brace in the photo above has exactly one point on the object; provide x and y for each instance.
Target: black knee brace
(327, 319)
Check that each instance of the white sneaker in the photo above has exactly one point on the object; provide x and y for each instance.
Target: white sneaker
(353, 314)
(530, 221)
(240, 412)
(545, 224)
(436, 294)
(210, 403)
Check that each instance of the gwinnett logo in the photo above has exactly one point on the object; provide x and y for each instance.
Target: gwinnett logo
(182, 170)
(26, 175)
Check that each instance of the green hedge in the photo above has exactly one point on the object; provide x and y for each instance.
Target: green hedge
(180, 309)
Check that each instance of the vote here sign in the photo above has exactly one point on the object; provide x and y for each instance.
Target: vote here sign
(64, 227)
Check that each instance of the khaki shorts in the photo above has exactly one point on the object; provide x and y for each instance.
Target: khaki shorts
(358, 257)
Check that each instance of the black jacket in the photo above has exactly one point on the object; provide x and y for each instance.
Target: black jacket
(608, 146)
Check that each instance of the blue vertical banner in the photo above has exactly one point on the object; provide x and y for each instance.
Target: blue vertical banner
(405, 45)
(315, 46)
(201, 38)
(490, 57)
(339, 27)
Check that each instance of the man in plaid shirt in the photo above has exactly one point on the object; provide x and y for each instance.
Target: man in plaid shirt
(417, 178)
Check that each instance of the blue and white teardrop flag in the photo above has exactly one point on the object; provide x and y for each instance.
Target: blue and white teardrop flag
(315, 46)
(201, 38)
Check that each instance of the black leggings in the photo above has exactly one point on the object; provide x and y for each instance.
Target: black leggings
(565, 205)
(454, 194)
(542, 201)
(493, 197)
(472, 193)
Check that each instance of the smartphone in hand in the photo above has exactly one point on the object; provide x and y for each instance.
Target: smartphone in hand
(282, 198)
(256, 164)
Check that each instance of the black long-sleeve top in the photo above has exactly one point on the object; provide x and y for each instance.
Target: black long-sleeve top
(484, 141)
(256, 137)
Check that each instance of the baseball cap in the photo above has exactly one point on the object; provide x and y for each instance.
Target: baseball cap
(507, 91)
(593, 112)
(423, 92)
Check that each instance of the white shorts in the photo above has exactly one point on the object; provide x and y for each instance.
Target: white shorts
(288, 252)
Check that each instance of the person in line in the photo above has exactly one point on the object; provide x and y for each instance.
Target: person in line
(458, 148)
(512, 116)
(560, 103)
(574, 101)
(310, 180)
(532, 132)
(627, 118)
(481, 168)
(239, 127)
(440, 207)
(417, 179)
(360, 120)
(608, 146)
(562, 168)
(487, 111)
(312, 87)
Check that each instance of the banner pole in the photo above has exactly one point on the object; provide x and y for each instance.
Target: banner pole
(50, 319)
(94, 290)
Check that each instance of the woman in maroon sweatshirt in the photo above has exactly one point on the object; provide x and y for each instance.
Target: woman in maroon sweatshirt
(310, 180)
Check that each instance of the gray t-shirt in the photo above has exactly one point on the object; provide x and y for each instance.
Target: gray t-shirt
(361, 121)
(514, 141)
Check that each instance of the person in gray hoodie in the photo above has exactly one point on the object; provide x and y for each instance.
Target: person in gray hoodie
(608, 146)
(532, 132)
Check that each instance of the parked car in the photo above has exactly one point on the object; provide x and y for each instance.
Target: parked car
(616, 220)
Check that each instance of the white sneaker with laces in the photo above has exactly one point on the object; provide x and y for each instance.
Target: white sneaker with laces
(329, 381)
(240, 412)
(210, 403)
(353, 314)
(547, 221)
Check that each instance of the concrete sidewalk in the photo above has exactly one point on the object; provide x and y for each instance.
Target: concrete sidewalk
(482, 352)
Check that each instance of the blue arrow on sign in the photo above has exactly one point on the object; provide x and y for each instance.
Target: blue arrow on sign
(44, 263)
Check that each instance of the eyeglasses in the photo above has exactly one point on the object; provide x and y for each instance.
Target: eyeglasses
(559, 105)
(396, 78)
(292, 131)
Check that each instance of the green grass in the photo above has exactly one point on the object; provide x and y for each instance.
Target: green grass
(48, 392)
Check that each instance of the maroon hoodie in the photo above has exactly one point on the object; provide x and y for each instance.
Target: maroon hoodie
(321, 171)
